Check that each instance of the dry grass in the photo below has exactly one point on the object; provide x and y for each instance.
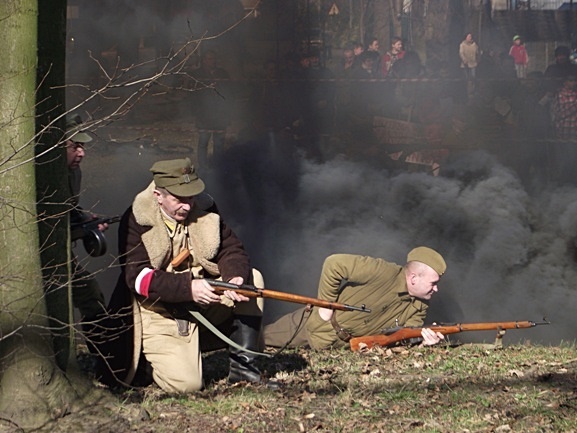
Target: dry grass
(468, 388)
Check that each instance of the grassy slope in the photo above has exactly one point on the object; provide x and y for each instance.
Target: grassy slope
(469, 388)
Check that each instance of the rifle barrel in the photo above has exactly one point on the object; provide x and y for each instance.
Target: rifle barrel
(255, 292)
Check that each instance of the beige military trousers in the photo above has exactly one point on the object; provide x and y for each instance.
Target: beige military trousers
(288, 328)
(177, 359)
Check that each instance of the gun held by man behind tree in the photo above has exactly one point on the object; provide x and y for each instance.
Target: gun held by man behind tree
(251, 291)
(400, 335)
(78, 229)
(93, 239)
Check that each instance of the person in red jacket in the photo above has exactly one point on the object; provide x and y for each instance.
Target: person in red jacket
(520, 57)
(396, 52)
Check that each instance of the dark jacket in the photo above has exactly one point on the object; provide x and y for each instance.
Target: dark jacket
(143, 242)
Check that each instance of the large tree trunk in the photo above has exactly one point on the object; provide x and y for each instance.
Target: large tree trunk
(33, 390)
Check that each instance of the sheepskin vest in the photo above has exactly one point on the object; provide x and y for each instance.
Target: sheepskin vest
(200, 233)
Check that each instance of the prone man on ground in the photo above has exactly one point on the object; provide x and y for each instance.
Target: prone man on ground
(396, 295)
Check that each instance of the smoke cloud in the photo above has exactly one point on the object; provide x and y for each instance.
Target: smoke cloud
(510, 247)
(510, 253)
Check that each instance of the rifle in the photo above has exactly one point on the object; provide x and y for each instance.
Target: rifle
(397, 335)
(93, 239)
(251, 291)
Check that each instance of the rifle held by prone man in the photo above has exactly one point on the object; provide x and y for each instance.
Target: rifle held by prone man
(394, 336)
(251, 291)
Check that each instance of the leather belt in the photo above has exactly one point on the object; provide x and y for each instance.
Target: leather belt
(342, 333)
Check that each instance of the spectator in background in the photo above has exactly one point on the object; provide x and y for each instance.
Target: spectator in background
(396, 52)
(358, 49)
(343, 88)
(564, 109)
(530, 109)
(564, 114)
(373, 49)
(347, 63)
(556, 72)
(366, 69)
(373, 44)
(315, 97)
(270, 106)
(409, 66)
(520, 57)
(532, 120)
(469, 54)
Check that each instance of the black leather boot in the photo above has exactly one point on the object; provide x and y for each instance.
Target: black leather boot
(246, 332)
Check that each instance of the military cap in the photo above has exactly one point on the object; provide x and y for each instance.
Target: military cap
(429, 257)
(178, 177)
(74, 130)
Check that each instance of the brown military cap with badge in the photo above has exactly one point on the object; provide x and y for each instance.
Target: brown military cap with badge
(178, 177)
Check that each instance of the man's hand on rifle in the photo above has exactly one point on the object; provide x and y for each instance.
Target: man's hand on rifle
(203, 293)
(431, 337)
(231, 294)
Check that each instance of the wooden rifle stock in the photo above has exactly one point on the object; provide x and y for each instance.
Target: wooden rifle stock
(251, 291)
(180, 258)
(397, 335)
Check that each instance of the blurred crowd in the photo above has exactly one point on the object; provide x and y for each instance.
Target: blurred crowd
(385, 107)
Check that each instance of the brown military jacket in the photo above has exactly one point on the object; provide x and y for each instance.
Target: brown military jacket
(378, 284)
(145, 242)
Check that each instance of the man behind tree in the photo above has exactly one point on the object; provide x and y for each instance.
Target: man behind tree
(86, 293)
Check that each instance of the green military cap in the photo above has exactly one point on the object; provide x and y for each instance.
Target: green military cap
(178, 177)
(74, 130)
(429, 257)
